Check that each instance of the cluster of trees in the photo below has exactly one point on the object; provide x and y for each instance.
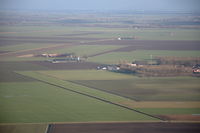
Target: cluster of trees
(185, 61)
(166, 66)
(164, 70)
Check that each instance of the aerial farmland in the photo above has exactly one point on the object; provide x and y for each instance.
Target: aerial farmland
(60, 71)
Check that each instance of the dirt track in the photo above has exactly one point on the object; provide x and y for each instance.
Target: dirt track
(125, 128)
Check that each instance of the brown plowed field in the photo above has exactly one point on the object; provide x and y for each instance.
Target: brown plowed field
(16, 41)
(181, 117)
(1, 52)
(46, 49)
(20, 40)
(53, 38)
(125, 128)
(9, 42)
(131, 45)
(80, 34)
(36, 50)
(9, 76)
(68, 65)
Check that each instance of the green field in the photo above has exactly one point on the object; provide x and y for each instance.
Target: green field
(44, 31)
(171, 89)
(69, 84)
(144, 89)
(86, 75)
(152, 34)
(39, 102)
(116, 57)
(142, 34)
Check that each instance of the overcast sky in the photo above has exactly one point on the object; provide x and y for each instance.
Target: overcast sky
(147, 5)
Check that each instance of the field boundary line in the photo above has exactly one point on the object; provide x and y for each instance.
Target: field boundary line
(96, 122)
(101, 99)
(137, 100)
(106, 52)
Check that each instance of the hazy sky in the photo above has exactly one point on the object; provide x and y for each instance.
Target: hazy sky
(175, 5)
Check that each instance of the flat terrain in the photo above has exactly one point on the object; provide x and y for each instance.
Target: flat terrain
(37, 96)
(29, 102)
(150, 89)
(66, 66)
(164, 96)
(141, 88)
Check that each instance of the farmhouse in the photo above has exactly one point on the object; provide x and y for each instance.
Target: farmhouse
(196, 69)
(113, 68)
(55, 55)
(109, 68)
(65, 60)
(140, 63)
(126, 38)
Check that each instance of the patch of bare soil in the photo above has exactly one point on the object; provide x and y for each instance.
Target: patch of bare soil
(181, 117)
(126, 128)
(68, 65)
(1, 52)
